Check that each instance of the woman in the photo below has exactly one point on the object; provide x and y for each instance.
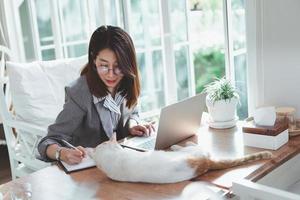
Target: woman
(101, 101)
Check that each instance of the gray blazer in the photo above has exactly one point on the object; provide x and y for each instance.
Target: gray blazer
(80, 123)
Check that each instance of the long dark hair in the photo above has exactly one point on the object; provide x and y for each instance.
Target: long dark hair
(121, 44)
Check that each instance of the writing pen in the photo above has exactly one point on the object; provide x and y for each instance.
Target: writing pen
(72, 147)
(69, 145)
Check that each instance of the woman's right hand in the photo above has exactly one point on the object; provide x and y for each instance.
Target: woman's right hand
(72, 156)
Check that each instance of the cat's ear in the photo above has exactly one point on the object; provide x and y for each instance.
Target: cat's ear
(113, 137)
(91, 152)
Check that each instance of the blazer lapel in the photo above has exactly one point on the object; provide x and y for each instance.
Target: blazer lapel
(105, 120)
(125, 113)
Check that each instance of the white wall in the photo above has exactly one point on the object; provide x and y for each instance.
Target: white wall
(273, 38)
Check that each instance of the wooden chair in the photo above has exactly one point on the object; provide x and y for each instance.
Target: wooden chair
(21, 137)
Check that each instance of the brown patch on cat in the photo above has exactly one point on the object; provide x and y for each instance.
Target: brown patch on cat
(202, 165)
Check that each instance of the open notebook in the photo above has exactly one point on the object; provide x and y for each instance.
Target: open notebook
(86, 163)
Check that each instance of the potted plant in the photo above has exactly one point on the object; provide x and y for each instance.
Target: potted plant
(221, 101)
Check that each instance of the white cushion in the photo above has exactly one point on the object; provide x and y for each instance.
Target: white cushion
(37, 88)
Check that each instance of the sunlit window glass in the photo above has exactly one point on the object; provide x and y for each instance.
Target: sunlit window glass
(238, 24)
(74, 40)
(147, 40)
(178, 20)
(27, 36)
(207, 36)
(241, 84)
(239, 52)
(182, 75)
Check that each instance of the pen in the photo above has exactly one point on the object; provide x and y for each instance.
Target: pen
(69, 145)
(72, 147)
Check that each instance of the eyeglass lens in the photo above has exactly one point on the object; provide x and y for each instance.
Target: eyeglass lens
(105, 70)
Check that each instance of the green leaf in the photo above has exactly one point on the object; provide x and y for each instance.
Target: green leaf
(221, 89)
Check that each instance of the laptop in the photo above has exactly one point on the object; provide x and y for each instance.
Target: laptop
(176, 123)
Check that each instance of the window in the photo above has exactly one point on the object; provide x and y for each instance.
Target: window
(239, 53)
(179, 32)
(181, 45)
(148, 43)
(60, 28)
(27, 35)
(207, 41)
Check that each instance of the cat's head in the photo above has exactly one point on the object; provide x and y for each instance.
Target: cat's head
(108, 147)
(106, 151)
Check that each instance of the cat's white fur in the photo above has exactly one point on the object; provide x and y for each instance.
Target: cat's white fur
(128, 165)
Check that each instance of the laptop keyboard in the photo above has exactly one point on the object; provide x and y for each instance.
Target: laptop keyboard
(149, 145)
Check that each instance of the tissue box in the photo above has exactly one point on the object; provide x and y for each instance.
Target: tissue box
(264, 136)
(266, 141)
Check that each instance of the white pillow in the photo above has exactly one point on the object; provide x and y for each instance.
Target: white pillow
(37, 88)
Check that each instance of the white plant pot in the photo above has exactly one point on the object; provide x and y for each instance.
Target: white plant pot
(222, 111)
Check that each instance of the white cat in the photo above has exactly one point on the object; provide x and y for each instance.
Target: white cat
(183, 163)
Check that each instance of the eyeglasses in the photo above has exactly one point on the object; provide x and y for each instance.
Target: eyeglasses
(105, 69)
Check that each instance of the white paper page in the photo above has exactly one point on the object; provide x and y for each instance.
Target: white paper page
(85, 163)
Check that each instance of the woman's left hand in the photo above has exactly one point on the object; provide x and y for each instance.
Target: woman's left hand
(142, 129)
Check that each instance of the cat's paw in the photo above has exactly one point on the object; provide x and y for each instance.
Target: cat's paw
(190, 143)
(175, 147)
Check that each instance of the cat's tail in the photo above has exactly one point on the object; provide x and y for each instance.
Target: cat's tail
(227, 163)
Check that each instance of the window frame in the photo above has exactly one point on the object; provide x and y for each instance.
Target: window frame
(123, 20)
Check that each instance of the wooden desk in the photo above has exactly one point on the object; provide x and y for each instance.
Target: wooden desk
(229, 143)
(53, 183)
